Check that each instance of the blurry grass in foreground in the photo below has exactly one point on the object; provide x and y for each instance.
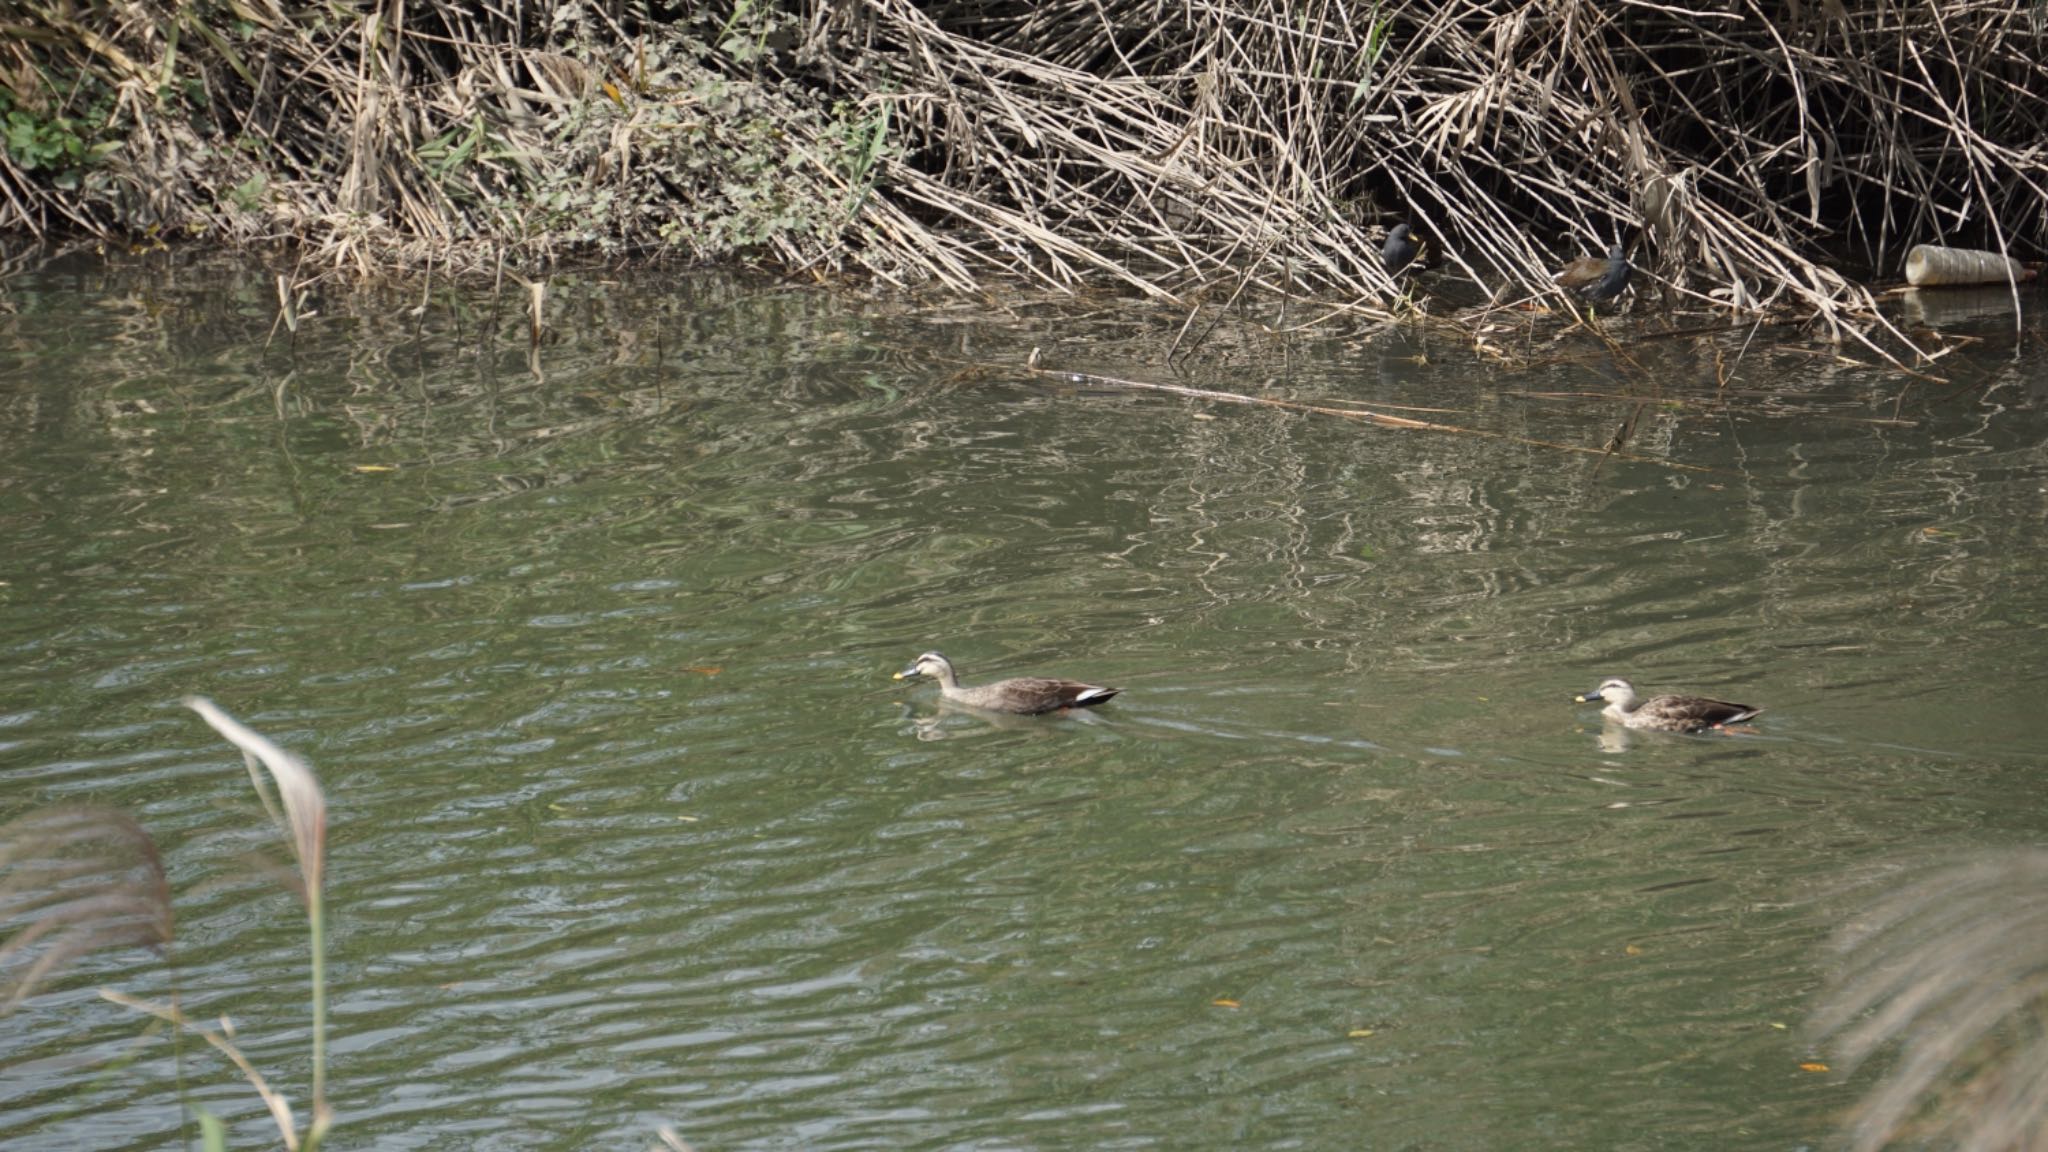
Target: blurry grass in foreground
(1951, 971)
(79, 880)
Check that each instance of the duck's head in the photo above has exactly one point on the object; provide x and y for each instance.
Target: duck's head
(929, 664)
(1613, 690)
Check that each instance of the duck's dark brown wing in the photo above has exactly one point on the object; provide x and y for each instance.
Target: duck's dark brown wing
(1033, 694)
(1697, 712)
(1077, 695)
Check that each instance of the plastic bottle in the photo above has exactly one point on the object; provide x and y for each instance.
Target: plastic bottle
(1928, 265)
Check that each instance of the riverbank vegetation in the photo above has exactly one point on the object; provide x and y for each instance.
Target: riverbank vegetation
(1746, 153)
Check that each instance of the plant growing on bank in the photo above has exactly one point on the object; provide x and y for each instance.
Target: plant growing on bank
(86, 879)
(1186, 152)
(57, 147)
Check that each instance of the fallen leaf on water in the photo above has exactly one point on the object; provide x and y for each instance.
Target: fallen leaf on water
(1813, 1066)
(1224, 1003)
(1778, 1026)
(375, 468)
(688, 819)
(1633, 950)
(1359, 1033)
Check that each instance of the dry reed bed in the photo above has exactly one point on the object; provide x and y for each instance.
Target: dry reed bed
(1185, 148)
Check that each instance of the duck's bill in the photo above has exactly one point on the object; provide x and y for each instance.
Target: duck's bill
(906, 674)
(1589, 698)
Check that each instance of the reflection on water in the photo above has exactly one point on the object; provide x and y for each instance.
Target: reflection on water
(631, 824)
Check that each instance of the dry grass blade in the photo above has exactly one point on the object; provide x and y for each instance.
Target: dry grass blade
(671, 1140)
(304, 824)
(1953, 971)
(83, 879)
(280, 1108)
(304, 821)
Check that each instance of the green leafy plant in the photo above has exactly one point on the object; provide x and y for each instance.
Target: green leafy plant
(61, 147)
(248, 195)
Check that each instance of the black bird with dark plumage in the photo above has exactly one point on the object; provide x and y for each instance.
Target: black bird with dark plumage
(1400, 249)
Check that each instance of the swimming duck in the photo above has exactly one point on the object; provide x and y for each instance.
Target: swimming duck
(1663, 713)
(1027, 695)
(1596, 279)
(1400, 249)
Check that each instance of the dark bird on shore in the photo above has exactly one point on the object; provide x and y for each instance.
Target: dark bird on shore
(1596, 279)
(1400, 249)
(1663, 713)
(1026, 695)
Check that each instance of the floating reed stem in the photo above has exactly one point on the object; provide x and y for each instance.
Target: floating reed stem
(1365, 415)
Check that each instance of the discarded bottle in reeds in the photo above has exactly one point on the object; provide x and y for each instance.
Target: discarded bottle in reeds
(1929, 266)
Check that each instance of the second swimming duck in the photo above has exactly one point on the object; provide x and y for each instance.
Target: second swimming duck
(1025, 695)
(1663, 713)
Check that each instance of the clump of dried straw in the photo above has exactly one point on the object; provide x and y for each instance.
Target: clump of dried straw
(1180, 149)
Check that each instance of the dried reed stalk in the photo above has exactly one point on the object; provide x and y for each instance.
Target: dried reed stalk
(1183, 149)
(280, 1109)
(304, 825)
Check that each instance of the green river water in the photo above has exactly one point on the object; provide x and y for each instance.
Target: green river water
(630, 825)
